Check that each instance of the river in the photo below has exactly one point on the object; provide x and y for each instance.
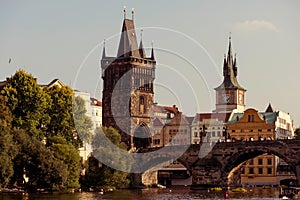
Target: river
(150, 194)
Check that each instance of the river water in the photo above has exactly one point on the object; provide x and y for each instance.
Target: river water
(183, 193)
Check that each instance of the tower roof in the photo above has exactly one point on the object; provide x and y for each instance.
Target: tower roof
(128, 40)
(270, 108)
(141, 50)
(230, 71)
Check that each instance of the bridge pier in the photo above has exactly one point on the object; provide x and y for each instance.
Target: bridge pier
(206, 174)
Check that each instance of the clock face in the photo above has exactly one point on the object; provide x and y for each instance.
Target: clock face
(226, 98)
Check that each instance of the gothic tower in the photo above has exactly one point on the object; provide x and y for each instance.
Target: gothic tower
(128, 88)
(230, 95)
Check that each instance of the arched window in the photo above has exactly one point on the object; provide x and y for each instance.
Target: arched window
(142, 104)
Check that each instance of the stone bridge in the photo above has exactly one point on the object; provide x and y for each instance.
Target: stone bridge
(210, 165)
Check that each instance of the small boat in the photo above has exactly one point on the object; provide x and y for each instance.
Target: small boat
(216, 189)
(239, 190)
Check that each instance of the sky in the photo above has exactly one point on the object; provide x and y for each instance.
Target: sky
(64, 40)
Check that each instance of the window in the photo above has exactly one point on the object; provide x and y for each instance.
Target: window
(251, 130)
(195, 134)
(233, 131)
(269, 170)
(259, 130)
(251, 170)
(260, 161)
(260, 170)
(213, 134)
(251, 162)
(157, 141)
(269, 161)
(142, 104)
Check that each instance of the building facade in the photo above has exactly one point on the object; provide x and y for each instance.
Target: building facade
(252, 125)
(209, 127)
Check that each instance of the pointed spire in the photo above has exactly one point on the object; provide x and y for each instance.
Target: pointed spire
(152, 52)
(141, 47)
(103, 51)
(224, 66)
(230, 70)
(229, 56)
(128, 40)
(270, 108)
(235, 66)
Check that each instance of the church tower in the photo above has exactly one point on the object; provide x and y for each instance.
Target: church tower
(128, 88)
(230, 95)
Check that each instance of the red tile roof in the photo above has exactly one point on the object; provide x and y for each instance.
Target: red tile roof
(95, 102)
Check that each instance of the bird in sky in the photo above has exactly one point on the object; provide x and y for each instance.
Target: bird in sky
(9, 61)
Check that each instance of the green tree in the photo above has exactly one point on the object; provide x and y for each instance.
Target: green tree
(7, 150)
(93, 174)
(102, 149)
(68, 154)
(60, 113)
(27, 102)
(83, 123)
(35, 161)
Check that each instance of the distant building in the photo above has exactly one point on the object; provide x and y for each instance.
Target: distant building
(209, 127)
(94, 112)
(96, 108)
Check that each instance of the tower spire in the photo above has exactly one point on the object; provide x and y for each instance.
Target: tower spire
(229, 56)
(141, 47)
(235, 65)
(103, 51)
(152, 51)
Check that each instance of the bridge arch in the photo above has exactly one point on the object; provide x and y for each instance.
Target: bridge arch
(235, 161)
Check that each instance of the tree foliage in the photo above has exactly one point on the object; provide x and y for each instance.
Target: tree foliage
(106, 176)
(60, 113)
(83, 123)
(68, 155)
(39, 135)
(7, 151)
(27, 102)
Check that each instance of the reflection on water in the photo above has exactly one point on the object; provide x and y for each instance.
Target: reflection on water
(150, 194)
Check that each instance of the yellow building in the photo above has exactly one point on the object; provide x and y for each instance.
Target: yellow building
(252, 126)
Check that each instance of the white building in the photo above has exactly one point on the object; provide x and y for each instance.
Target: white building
(210, 126)
(94, 111)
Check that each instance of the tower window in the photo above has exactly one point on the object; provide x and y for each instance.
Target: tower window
(142, 104)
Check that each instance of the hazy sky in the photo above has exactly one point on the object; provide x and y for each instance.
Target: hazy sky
(64, 39)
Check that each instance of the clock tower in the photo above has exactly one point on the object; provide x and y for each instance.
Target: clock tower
(230, 95)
